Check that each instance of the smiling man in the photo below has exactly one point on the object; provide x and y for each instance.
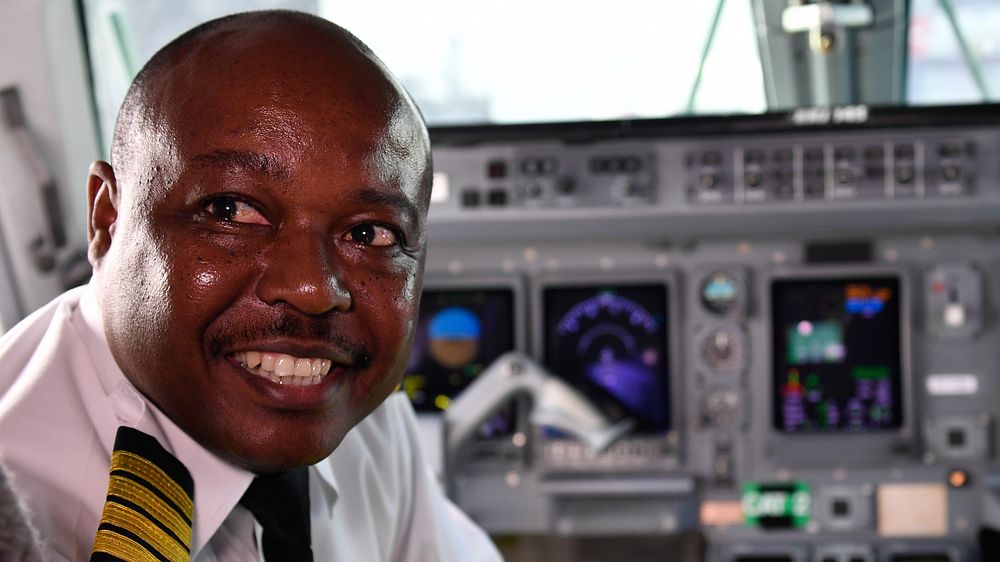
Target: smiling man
(258, 242)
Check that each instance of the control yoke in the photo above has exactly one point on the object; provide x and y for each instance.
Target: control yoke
(555, 404)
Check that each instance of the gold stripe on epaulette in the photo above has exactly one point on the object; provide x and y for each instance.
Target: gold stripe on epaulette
(140, 466)
(154, 505)
(122, 547)
(130, 520)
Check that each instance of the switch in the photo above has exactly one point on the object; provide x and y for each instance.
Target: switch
(953, 296)
(496, 169)
(956, 438)
(497, 197)
(470, 198)
(954, 315)
(840, 507)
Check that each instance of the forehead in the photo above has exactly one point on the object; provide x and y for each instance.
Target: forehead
(302, 96)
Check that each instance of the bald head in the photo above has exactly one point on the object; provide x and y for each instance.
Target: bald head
(281, 42)
(267, 198)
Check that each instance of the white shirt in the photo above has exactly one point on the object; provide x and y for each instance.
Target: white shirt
(63, 397)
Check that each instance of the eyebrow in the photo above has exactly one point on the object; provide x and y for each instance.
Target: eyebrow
(397, 201)
(263, 164)
(245, 160)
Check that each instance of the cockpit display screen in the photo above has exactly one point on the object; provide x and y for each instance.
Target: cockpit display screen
(837, 354)
(611, 343)
(459, 333)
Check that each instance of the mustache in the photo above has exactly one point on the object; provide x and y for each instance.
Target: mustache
(290, 327)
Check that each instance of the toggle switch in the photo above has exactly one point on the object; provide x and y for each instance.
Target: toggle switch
(953, 295)
(954, 315)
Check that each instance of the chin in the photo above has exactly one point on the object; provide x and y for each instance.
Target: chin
(270, 455)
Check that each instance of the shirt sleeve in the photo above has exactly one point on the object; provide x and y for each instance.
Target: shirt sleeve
(437, 530)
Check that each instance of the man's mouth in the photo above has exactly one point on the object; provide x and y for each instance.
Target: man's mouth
(284, 369)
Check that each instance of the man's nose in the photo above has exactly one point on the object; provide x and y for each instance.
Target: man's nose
(299, 271)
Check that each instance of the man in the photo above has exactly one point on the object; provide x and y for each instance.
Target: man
(258, 243)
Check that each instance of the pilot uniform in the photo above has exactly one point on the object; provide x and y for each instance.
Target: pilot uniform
(63, 397)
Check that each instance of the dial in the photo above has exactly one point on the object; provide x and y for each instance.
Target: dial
(721, 293)
(723, 349)
(611, 343)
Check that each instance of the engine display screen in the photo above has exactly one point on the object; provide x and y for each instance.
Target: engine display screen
(837, 354)
(459, 333)
(611, 343)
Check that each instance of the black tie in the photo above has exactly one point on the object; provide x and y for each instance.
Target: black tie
(280, 503)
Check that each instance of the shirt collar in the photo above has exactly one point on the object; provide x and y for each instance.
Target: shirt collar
(328, 482)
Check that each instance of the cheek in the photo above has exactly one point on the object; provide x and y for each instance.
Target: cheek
(202, 278)
(140, 283)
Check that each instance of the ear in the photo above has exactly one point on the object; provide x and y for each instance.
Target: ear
(102, 210)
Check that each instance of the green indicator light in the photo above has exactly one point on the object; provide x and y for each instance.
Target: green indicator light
(776, 505)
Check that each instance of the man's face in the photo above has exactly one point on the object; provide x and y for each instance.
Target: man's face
(265, 262)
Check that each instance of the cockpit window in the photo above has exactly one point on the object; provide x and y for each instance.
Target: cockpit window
(471, 62)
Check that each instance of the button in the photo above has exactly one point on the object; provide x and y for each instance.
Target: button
(533, 190)
(875, 172)
(904, 151)
(711, 158)
(951, 173)
(497, 197)
(631, 164)
(754, 157)
(949, 150)
(538, 166)
(814, 154)
(814, 190)
(954, 315)
(844, 176)
(496, 169)
(784, 174)
(754, 179)
(471, 198)
(843, 153)
(874, 152)
(958, 478)
(783, 155)
(904, 175)
(841, 508)
(547, 166)
(565, 185)
(709, 181)
(956, 437)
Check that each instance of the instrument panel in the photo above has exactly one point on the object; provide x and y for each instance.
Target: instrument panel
(800, 323)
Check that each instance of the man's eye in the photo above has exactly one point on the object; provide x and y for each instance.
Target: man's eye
(372, 235)
(230, 209)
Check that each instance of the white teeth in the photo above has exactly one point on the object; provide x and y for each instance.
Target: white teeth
(253, 359)
(303, 368)
(284, 369)
(267, 362)
(284, 366)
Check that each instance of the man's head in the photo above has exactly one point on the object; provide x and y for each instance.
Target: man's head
(266, 202)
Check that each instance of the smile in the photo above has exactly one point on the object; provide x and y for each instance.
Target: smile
(284, 369)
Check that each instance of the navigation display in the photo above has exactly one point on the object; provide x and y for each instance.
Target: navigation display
(459, 333)
(611, 343)
(837, 354)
